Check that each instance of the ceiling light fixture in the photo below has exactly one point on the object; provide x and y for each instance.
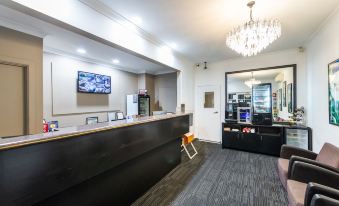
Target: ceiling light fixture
(254, 36)
(81, 51)
(252, 81)
(116, 61)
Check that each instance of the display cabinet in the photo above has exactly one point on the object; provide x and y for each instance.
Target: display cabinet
(265, 139)
(299, 137)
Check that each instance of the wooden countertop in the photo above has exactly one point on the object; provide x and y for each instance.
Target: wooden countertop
(67, 132)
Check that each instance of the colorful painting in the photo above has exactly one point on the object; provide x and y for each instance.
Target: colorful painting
(94, 83)
(280, 99)
(284, 93)
(290, 98)
(333, 92)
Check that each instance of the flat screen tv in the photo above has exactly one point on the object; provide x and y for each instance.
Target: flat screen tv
(93, 83)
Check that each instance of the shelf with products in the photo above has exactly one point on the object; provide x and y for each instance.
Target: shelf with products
(266, 139)
(253, 138)
(235, 100)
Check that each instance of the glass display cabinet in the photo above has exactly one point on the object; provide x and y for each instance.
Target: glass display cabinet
(262, 104)
(299, 136)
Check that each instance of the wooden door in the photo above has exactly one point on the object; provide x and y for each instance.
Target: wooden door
(12, 100)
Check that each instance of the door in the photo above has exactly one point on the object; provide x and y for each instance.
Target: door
(208, 124)
(12, 104)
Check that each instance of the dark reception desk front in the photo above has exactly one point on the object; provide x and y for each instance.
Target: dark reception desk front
(103, 164)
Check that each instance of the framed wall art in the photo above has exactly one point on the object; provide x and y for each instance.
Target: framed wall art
(333, 92)
(284, 93)
(280, 99)
(289, 97)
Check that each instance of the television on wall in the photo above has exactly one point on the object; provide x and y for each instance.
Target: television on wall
(93, 83)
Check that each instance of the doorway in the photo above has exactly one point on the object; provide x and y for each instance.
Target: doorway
(13, 100)
(208, 124)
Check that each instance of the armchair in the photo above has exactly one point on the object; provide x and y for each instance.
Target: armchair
(327, 158)
(317, 194)
(307, 179)
(321, 200)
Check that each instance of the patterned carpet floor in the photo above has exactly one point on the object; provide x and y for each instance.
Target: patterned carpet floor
(219, 177)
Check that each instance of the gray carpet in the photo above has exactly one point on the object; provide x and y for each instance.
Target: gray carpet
(219, 177)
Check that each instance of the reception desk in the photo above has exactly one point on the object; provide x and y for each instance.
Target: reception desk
(102, 164)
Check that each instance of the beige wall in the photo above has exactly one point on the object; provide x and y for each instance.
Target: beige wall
(165, 92)
(12, 104)
(62, 102)
(26, 50)
(162, 90)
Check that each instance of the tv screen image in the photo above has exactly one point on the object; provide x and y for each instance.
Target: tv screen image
(94, 83)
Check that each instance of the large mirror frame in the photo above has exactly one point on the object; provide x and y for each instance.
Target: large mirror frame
(294, 89)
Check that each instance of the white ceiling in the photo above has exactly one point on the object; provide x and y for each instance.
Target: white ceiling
(199, 27)
(61, 41)
(96, 52)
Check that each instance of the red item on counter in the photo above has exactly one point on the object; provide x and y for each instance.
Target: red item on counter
(246, 130)
(45, 128)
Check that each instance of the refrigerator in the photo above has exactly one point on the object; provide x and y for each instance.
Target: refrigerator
(299, 136)
(262, 104)
(138, 104)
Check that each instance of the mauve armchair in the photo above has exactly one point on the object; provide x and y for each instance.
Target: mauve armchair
(320, 195)
(302, 174)
(327, 158)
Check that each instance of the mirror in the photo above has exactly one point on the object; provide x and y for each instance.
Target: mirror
(239, 92)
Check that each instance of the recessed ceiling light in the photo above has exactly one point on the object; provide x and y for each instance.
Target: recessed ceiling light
(116, 61)
(173, 45)
(137, 20)
(166, 49)
(81, 51)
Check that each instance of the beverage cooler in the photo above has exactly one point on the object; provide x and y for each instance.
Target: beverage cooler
(138, 104)
(144, 105)
(299, 136)
(262, 104)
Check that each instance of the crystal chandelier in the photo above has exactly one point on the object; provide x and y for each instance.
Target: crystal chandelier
(252, 82)
(254, 36)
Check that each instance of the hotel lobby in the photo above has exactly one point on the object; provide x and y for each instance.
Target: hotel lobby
(155, 102)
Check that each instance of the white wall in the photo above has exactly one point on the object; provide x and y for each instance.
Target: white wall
(322, 49)
(166, 92)
(62, 102)
(215, 74)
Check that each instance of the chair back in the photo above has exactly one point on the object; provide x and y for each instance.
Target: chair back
(329, 155)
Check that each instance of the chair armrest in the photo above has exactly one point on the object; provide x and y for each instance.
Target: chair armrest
(314, 188)
(306, 160)
(305, 172)
(287, 151)
(321, 200)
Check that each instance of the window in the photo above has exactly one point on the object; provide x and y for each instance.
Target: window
(209, 100)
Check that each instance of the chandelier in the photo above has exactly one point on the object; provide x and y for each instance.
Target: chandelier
(252, 82)
(254, 36)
